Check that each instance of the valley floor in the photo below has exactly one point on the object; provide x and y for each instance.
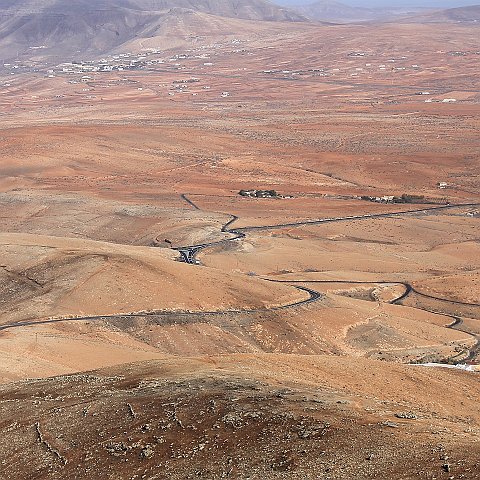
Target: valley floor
(289, 343)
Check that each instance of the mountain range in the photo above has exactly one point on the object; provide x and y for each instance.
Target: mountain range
(246, 9)
(67, 28)
(61, 27)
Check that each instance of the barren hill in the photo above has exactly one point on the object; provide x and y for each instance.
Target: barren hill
(338, 12)
(59, 27)
(467, 15)
(327, 10)
(246, 9)
(243, 417)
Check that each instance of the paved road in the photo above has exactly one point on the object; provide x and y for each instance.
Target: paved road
(189, 253)
(359, 217)
(457, 324)
(396, 300)
(184, 196)
(408, 289)
(313, 296)
(453, 302)
(239, 232)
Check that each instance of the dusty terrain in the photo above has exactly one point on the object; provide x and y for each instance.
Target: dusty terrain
(244, 417)
(288, 346)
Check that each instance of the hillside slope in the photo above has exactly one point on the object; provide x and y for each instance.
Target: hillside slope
(243, 417)
(246, 9)
(61, 27)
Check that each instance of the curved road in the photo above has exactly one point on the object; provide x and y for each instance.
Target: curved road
(397, 300)
(188, 255)
(457, 323)
(313, 296)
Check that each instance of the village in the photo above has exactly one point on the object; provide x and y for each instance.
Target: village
(196, 65)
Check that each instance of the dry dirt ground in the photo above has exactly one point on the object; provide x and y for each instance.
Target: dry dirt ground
(239, 416)
(234, 370)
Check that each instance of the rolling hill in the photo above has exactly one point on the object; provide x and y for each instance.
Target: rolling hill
(247, 416)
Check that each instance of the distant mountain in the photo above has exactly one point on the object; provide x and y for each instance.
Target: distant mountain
(337, 12)
(246, 9)
(332, 11)
(61, 27)
(466, 15)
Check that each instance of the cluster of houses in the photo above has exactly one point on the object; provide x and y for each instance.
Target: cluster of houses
(405, 198)
(145, 59)
(319, 72)
(19, 66)
(367, 68)
(443, 100)
(356, 54)
(259, 193)
(384, 199)
(123, 61)
(120, 62)
(459, 53)
(86, 70)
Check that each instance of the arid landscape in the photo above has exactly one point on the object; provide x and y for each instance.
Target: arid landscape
(238, 243)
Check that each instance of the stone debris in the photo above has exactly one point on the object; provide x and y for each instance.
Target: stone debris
(47, 445)
(390, 424)
(131, 411)
(118, 449)
(406, 415)
(147, 452)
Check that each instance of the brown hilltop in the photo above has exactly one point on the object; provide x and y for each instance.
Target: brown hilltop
(270, 417)
(246, 9)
